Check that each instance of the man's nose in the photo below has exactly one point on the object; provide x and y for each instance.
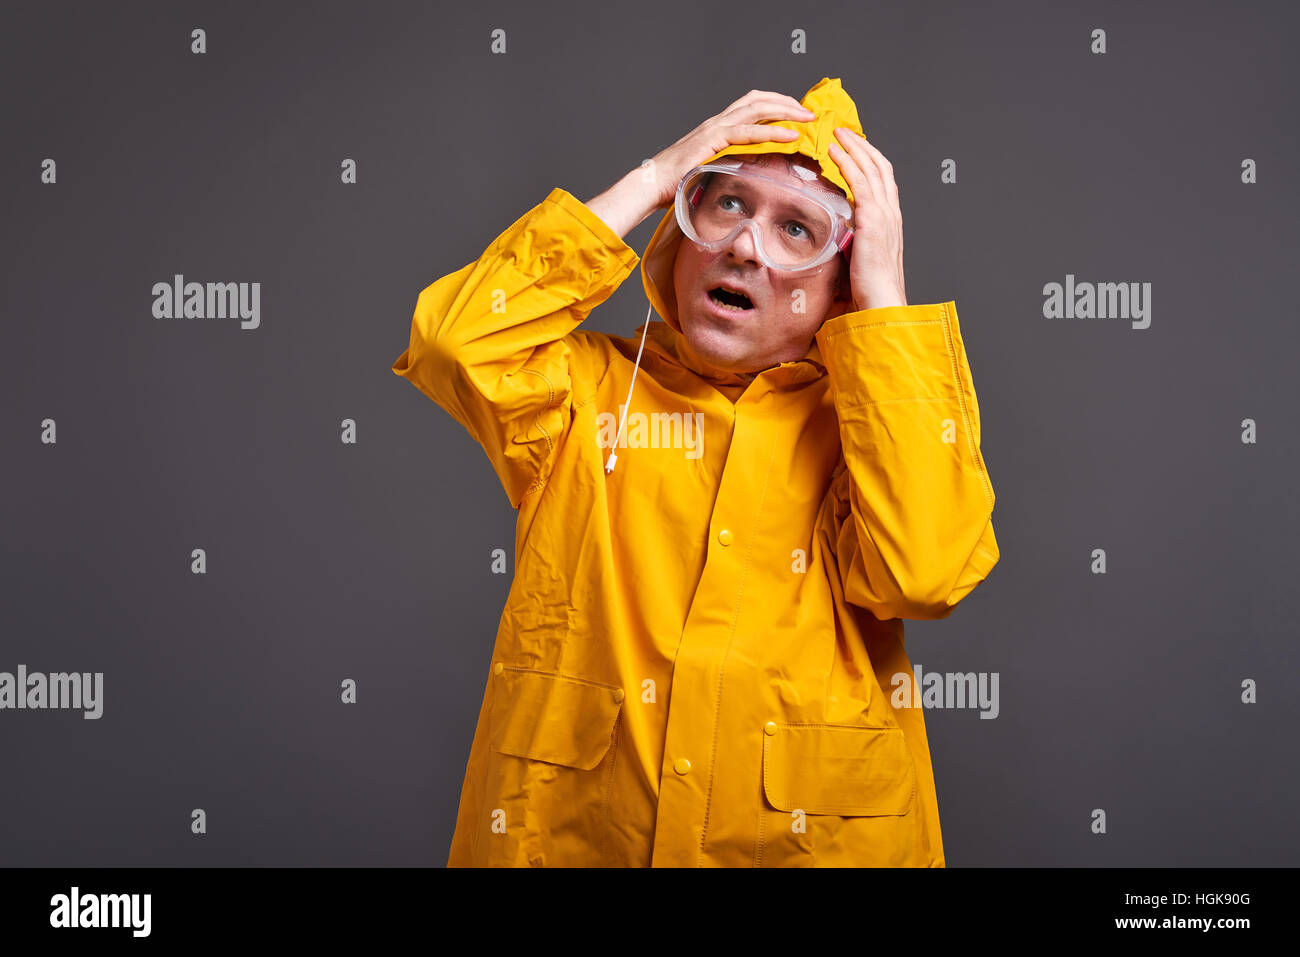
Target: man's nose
(742, 245)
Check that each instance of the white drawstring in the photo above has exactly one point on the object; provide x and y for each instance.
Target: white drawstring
(609, 463)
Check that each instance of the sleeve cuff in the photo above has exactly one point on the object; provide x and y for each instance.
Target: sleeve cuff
(597, 227)
(893, 354)
(885, 314)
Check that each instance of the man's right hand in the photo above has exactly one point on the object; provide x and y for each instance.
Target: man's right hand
(653, 184)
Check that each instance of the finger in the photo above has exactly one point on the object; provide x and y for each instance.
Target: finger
(874, 164)
(850, 166)
(769, 105)
(853, 145)
(886, 170)
(767, 113)
(754, 95)
(874, 188)
(760, 133)
(744, 101)
(750, 117)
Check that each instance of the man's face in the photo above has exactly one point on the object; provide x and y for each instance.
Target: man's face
(772, 331)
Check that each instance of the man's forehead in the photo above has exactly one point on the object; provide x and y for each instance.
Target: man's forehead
(779, 164)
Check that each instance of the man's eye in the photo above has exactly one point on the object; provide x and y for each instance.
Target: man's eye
(797, 230)
(726, 201)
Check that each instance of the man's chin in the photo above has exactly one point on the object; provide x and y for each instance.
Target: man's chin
(717, 345)
(712, 349)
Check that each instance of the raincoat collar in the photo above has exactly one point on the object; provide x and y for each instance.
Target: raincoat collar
(667, 342)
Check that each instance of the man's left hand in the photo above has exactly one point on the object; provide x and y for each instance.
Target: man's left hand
(876, 258)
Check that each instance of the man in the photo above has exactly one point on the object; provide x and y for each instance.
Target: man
(721, 523)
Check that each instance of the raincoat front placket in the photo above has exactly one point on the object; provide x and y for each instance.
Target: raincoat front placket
(703, 710)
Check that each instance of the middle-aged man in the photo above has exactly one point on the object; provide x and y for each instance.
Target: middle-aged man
(723, 521)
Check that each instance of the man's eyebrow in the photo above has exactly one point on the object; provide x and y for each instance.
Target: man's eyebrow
(783, 204)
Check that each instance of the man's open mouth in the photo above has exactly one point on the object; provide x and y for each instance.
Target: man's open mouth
(730, 300)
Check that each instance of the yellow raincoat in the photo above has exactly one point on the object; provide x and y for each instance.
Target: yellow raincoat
(696, 659)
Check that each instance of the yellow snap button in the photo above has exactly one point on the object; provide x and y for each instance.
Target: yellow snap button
(498, 668)
(769, 728)
(618, 694)
(681, 765)
(725, 536)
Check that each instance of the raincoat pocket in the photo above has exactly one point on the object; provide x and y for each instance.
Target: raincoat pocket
(833, 769)
(554, 744)
(553, 718)
(836, 795)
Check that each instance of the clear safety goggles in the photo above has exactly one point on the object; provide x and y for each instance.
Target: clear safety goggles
(793, 228)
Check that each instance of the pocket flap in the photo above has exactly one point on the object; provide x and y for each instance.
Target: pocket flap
(553, 718)
(843, 770)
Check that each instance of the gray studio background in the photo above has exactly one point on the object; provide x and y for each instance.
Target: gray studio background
(372, 561)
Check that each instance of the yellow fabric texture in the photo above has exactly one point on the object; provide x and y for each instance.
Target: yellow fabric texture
(695, 663)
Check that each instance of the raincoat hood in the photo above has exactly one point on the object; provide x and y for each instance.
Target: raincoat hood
(834, 107)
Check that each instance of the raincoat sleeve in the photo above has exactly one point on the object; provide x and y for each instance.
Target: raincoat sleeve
(488, 342)
(912, 501)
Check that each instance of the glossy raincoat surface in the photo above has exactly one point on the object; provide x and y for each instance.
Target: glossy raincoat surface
(695, 662)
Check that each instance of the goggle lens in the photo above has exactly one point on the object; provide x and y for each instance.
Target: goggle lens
(794, 229)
